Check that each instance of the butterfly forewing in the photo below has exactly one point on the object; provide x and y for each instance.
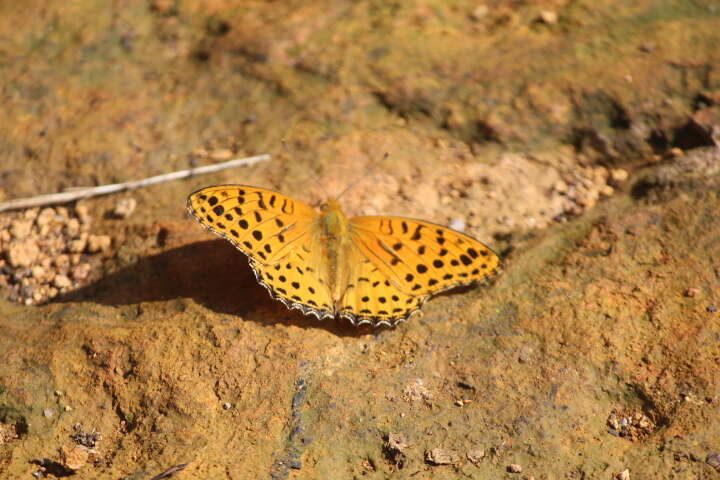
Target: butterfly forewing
(423, 258)
(263, 224)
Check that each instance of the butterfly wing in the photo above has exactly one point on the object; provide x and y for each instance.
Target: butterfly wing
(263, 224)
(277, 234)
(297, 282)
(422, 258)
(370, 296)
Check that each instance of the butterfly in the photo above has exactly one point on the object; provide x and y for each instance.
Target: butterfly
(369, 270)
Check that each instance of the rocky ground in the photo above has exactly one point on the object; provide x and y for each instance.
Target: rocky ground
(578, 140)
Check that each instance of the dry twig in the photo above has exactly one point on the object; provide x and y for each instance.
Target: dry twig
(79, 193)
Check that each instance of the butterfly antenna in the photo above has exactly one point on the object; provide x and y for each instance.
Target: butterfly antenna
(365, 175)
(319, 183)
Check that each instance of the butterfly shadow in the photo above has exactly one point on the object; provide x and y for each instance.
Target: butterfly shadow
(213, 273)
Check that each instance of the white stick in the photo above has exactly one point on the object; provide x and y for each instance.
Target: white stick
(77, 194)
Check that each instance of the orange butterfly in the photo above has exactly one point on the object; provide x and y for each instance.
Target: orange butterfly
(376, 270)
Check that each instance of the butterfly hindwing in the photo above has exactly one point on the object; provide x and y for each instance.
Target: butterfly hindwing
(297, 285)
(261, 223)
(423, 258)
(371, 297)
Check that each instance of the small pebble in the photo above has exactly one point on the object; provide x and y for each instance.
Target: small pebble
(692, 292)
(98, 243)
(514, 468)
(221, 154)
(548, 16)
(295, 465)
(48, 412)
(20, 228)
(440, 456)
(77, 245)
(81, 272)
(227, 405)
(624, 475)
(22, 254)
(58, 393)
(67, 408)
(61, 281)
(37, 272)
(124, 207)
(476, 455)
(619, 175)
(479, 12)
(712, 308)
(713, 460)
(458, 224)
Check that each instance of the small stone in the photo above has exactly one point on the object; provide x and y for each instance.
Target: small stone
(77, 245)
(58, 393)
(221, 154)
(692, 292)
(81, 272)
(624, 475)
(607, 191)
(72, 227)
(67, 408)
(441, 456)
(618, 175)
(45, 217)
(124, 207)
(20, 228)
(713, 460)
(98, 243)
(37, 272)
(227, 406)
(712, 308)
(48, 413)
(459, 403)
(514, 468)
(22, 254)
(458, 224)
(62, 281)
(476, 455)
(62, 261)
(479, 12)
(548, 16)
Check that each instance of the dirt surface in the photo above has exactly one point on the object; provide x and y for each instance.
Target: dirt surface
(579, 140)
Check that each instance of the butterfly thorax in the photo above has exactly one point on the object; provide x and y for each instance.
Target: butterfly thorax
(335, 239)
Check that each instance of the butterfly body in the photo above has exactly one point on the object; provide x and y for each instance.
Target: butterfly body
(377, 270)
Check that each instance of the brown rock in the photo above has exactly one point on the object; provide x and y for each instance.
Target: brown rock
(441, 456)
